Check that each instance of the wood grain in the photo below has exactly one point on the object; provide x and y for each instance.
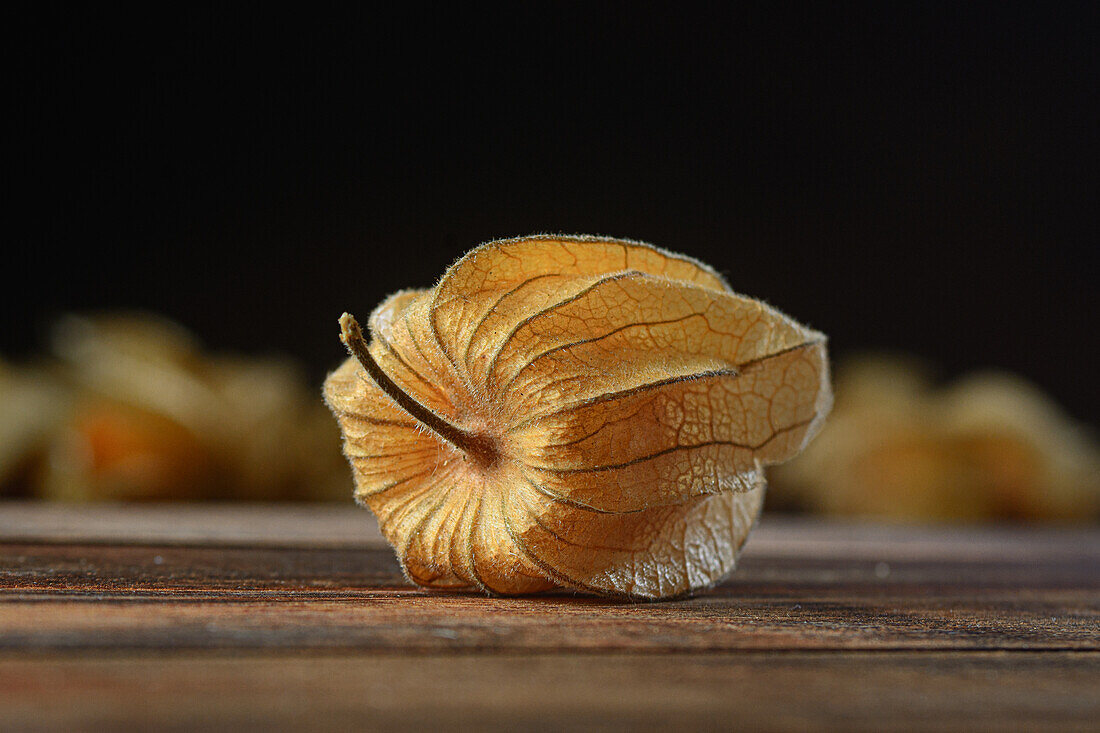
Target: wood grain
(770, 691)
(176, 620)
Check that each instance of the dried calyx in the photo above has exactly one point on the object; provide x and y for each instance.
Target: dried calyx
(573, 411)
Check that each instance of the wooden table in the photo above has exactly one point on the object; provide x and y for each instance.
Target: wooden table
(262, 617)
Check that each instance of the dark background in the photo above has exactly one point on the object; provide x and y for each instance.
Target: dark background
(918, 180)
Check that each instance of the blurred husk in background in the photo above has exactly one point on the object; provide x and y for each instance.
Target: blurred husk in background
(990, 446)
(129, 407)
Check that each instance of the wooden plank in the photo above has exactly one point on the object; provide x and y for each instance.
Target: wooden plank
(110, 597)
(231, 617)
(747, 691)
(249, 525)
(348, 526)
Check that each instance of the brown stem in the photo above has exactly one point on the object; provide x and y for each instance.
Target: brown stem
(476, 446)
